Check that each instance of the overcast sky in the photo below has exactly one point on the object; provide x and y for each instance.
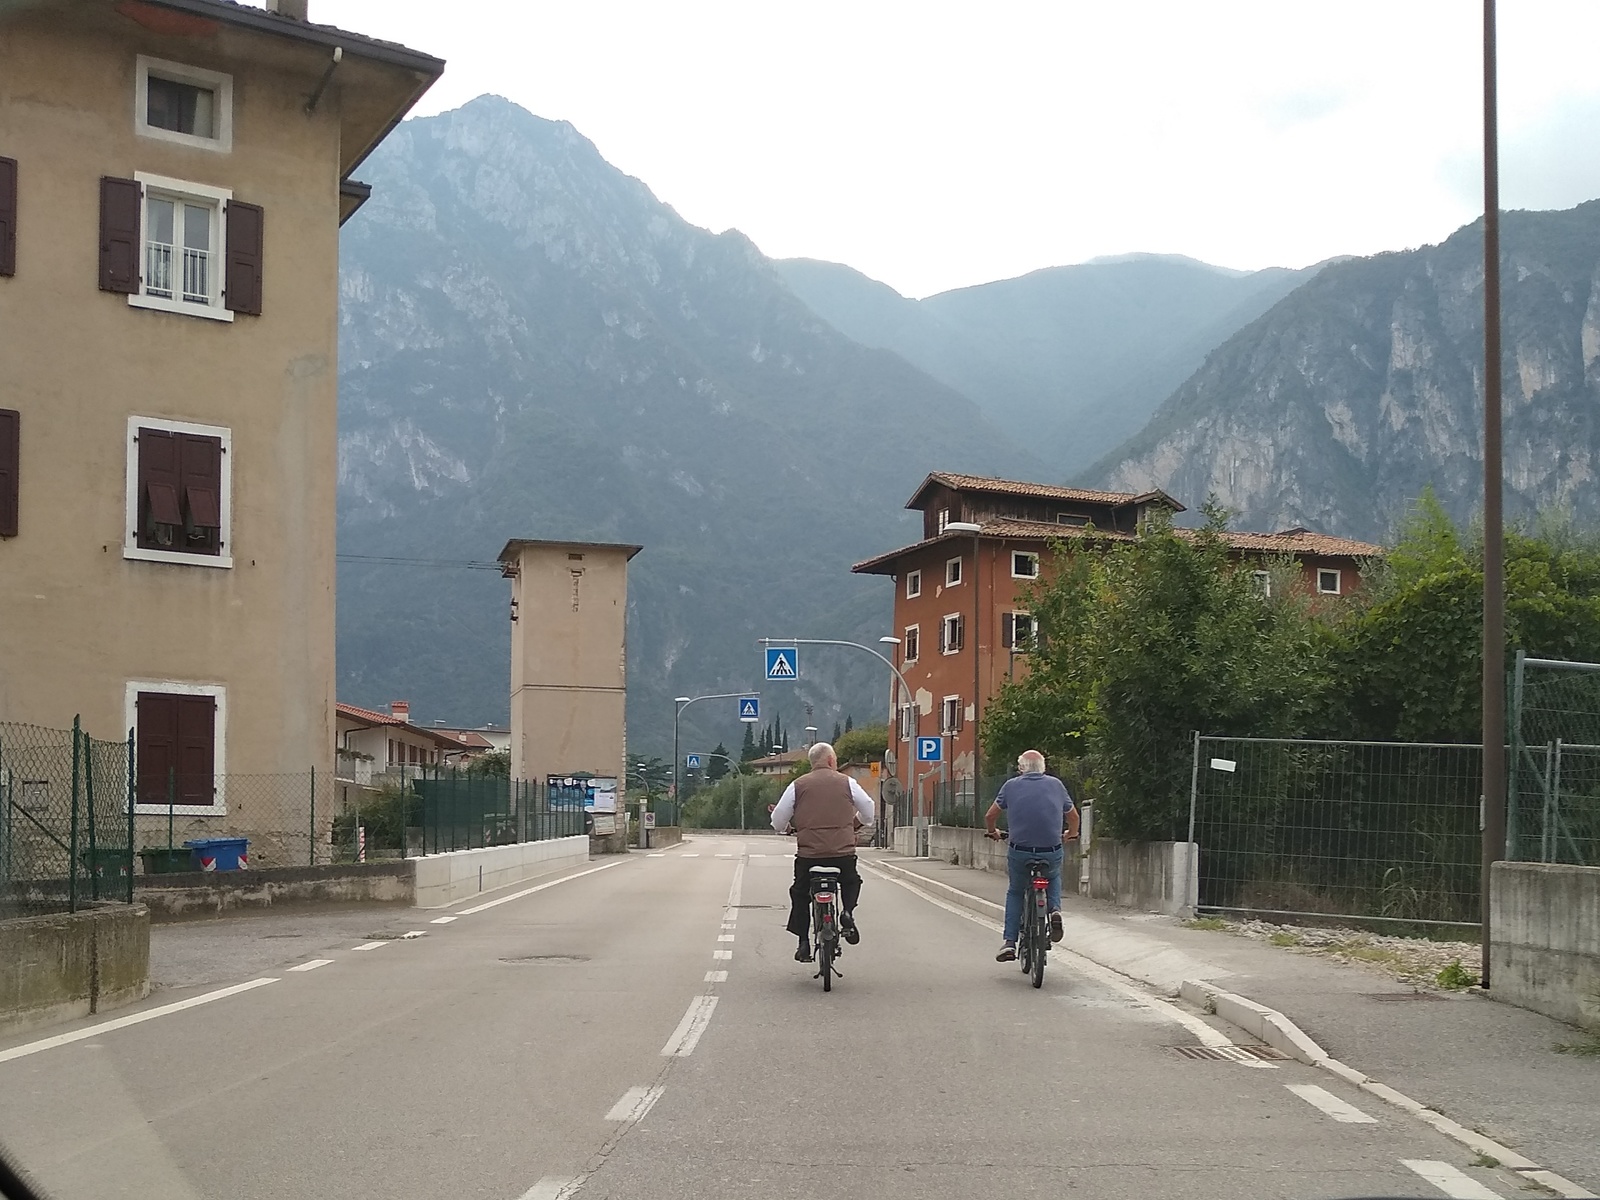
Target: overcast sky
(933, 145)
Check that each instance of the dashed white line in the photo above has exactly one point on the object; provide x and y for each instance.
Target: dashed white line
(696, 854)
(758, 856)
(78, 1035)
(716, 977)
(1452, 1181)
(635, 1102)
(551, 1187)
(722, 954)
(467, 912)
(369, 945)
(442, 920)
(1336, 1108)
(724, 856)
(656, 854)
(687, 1035)
(312, 965)
(413, 935)
(725, 937)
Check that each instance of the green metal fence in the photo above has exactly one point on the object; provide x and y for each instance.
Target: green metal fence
(1375, 831)
(1553, 795)
(458, 810)
(65, 831)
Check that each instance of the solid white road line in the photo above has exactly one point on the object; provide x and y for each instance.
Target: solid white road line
(635, 1102)
(716, 977)
(735, 893)
(551, 1187)
(722, 954)
(1336, 1108)
(1559, 1185)
(684, 1038)
(312, 965)
(369, 945)
(441, 920)
(1452, 1181)
(467, 912)
(78, 1035)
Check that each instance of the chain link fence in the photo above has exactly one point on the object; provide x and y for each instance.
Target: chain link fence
(1376, 831)
(284, 816)
(1553, 795)
(65, 836)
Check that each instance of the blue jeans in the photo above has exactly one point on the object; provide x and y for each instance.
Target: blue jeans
(1017, 871)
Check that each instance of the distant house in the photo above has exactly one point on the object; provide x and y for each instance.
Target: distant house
(475, 743)
(958, 607)
(372, 743)
(776, 764)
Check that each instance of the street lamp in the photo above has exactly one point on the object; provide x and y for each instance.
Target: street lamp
(976, 531)
(811, 736)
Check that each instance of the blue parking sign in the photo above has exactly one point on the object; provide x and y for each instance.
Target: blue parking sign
(930, 749)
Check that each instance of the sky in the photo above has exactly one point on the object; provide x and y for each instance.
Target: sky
(935, 145)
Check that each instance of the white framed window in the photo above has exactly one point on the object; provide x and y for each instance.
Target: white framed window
(952, 572)
(1018, 631)
(944, 518)
(183, 784)
(952, 631)
(911, 643)
(913, 584)
(174, 102)
(950, 715)
(181, 247)
(1024, 564)
(1263, 583)
(1329, 581)
(179, 509)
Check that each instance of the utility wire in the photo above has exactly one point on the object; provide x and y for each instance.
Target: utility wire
(395, 560)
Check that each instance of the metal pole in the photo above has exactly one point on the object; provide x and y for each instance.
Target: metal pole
(72, 853)
(1494, 637)
(677, 717)
(1518, 751)
(132, 796)
(311, 851)
(977, 682)
(88, 803)
(1194, 782)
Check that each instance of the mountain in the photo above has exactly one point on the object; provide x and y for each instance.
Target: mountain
(1338, 405)
(532, 345)
(1079, 356)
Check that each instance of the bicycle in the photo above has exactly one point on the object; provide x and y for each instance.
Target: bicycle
(825, 909)
(1033, 938)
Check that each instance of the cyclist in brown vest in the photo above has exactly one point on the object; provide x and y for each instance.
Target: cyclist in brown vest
(825, 808)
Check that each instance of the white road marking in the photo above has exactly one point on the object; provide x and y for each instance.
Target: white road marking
(716, 977)
(1452, 1181)
(685, 1037)
(412, 935)
(635, 1102)
(312, 965)
(724, 937)
(1336, 1108)
(724, 856)
(735, 892)
(551, 1187)
(758, 856)
(1558, 1184)
(1093, 970)
(467, 912)
(78, 1035)
(441, 920)
(696, 854)
(369, 945)
(722, 954)
(656, 854)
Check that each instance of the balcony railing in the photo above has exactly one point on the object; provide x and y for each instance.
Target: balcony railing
(195, 266)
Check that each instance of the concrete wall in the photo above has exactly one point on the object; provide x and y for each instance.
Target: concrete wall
(208, 894)
(56, 968)
(446, 878)
(969, 848)
(1544, 950)
(1153, 876)
(665, 835)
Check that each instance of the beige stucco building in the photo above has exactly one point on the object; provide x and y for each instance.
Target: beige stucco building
(569, 657)
(173, 174)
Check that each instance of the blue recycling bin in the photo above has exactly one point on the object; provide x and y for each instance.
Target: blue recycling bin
(218, 854)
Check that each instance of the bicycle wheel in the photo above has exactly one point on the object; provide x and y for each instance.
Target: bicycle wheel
(825, 965)
(1024, 948)
(1039, 931)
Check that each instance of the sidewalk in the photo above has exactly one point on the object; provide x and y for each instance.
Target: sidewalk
(1489, 1066)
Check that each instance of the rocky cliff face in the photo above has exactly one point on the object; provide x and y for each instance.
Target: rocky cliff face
(1344, 400)
(534, 346)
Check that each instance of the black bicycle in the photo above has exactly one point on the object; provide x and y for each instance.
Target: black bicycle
(825, 910)
(1033, 938)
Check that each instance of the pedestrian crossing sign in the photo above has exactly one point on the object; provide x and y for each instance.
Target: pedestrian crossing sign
(749, 708)
(783, 662)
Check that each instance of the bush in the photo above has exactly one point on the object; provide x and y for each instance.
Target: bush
(717, 807)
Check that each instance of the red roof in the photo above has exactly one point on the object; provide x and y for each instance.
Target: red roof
(367, 715)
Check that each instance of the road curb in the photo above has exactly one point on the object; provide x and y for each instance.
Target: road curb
(1272, 1027)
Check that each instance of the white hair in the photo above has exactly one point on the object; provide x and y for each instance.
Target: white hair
(821, 754)
(1030, 762)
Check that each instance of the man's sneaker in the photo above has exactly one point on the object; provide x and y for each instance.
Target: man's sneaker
(847, 926)
(803, 954)
(1056, 931)
(1008, 953)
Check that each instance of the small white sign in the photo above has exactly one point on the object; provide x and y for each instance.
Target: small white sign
(1223, 764)
(605, 824)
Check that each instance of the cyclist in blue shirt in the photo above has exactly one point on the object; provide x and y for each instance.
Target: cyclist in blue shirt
(1038, 809)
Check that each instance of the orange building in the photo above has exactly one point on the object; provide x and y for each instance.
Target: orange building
(958, 608)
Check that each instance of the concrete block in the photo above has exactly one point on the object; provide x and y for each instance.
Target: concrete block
(68, 965)
(445, 878)
(1159, 877)
(1544, 951)
(210, 894)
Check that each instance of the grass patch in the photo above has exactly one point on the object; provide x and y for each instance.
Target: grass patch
(1588, 1047)
(1455, 977)
(1368, 953)
(1285, 937)
(1207, 923)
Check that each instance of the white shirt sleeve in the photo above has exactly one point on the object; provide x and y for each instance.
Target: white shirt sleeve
(784, 813)
(862, 801)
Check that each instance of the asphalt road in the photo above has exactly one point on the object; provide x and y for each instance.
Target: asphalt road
(583, 1040)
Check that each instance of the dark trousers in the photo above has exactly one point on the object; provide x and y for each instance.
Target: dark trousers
(800, 892)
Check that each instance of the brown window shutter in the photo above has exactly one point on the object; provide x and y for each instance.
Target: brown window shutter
(119, 235)
(196, 749)
(160, 515)
(10, 461)
(1008, 631)
(8, 216)
(200, 495)
(242, 286)
(156, 744)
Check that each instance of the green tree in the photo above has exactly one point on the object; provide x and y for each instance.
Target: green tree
(837, 734)
(849, 722)
(749, 749)
(866, 744)
(496, 762)
(718, 766)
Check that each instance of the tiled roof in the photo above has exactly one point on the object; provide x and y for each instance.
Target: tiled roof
(258, 18)
(1043, 491)
(366, 714)
(1301, 541)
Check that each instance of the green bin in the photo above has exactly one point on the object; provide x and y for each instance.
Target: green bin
(166, 860)
(109, 865)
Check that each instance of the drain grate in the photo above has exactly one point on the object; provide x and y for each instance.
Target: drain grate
(536, 960)
(1402, 996)
(1231, 1053)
